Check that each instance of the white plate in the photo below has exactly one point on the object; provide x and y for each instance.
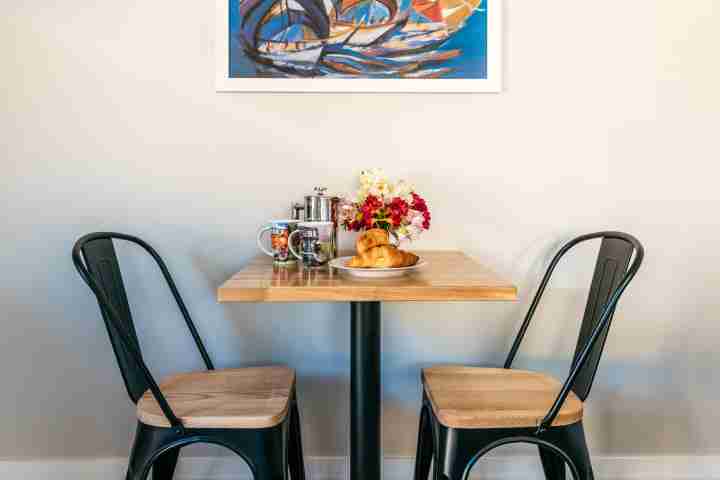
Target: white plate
(339, 264)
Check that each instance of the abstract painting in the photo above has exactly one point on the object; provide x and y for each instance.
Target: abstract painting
(359, 45)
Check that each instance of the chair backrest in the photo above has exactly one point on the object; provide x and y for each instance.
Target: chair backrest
(613, 272)
(102, 263)
(612, 263)
(95, 259)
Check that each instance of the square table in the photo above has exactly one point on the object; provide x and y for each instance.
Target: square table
(449, 276)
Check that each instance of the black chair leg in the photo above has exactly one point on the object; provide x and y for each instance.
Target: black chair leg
(149, 441)
(164, 466)
(455, 453)
(269, 468)
(572, 442)
(458, 450)
(295, 453)
(553, 464)
(424, 454)
(437, 474)
(268, 451)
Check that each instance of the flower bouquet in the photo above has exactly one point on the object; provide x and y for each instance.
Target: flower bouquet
(379, 203)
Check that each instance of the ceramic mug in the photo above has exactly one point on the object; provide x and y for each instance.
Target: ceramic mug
(280, 232)
(315, 242)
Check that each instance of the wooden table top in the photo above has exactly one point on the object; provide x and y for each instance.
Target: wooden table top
(449, 276)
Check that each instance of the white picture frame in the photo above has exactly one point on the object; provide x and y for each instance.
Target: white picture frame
(491, 84)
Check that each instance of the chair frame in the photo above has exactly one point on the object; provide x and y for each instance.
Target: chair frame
(269, 452)
(454, 451)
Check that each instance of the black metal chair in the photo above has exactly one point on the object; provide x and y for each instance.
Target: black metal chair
(251, 411)
(469, 411)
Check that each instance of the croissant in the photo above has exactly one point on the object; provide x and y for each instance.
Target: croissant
(372, 238)
(384, 256)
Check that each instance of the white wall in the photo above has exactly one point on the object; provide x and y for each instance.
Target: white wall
(609, 119)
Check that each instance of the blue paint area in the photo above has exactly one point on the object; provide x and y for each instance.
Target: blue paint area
(239, 64)
(470, 40)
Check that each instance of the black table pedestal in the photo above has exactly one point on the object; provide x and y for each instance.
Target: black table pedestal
(365, 401)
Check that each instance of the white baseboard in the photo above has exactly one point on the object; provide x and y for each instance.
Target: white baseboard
(334, 468)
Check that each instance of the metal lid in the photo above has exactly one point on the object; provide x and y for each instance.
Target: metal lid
(320, 207)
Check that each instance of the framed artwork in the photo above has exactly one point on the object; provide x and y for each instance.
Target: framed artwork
(358, 45)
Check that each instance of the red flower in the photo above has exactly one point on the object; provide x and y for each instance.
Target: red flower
(397, 210)
(371, 204)
(426, 220)
(373, 212)
(419, 203)
(399, 206)
(368, 221)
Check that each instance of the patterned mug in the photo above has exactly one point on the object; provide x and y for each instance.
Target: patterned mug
(280, 231)
(316, 243)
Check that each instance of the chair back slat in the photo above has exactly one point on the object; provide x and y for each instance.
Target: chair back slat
(102, 263)
(610, 268)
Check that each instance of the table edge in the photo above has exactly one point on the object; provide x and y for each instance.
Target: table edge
(301, 295)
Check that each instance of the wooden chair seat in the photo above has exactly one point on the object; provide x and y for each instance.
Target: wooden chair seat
(472, 397)
(255, 397)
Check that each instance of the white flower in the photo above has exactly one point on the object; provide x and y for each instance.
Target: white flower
(372, 177)
(403, 190)
(402, 233)
(373, 182)
(380, 189)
